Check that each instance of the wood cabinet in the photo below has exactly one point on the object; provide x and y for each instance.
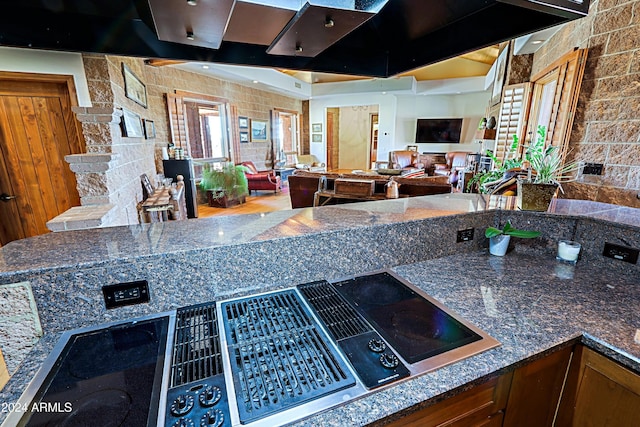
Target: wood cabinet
(536, 389)
(599, 392)
(480, 406)
(573, 386)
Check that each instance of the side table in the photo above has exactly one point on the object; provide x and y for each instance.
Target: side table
(284, 173)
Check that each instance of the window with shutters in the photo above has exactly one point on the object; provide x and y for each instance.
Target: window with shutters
(514, 110)
(554, 98)
(200, 125)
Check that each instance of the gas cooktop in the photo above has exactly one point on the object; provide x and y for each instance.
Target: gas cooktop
(263, 360)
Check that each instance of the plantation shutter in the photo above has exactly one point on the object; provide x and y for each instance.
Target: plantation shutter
(567, 72)
(512, 120)
(177, 120)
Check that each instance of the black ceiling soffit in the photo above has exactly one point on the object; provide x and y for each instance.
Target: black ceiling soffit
(401, 36)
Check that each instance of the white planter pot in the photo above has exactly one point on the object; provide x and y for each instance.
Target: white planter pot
(498, 245)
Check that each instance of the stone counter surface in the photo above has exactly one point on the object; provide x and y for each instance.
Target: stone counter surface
(530, 303)
(526, 300)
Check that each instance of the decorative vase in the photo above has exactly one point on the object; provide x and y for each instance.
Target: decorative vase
(535, 197)
(498, 244)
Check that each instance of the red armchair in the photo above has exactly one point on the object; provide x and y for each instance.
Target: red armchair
(261, 180)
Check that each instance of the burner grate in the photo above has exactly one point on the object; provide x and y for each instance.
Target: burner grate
(278, 354)
(336, 313)
(196, 351)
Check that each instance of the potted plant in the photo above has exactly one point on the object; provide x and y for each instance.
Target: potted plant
(499, 238)
(225, 187)
(487, 181)
(547, 171)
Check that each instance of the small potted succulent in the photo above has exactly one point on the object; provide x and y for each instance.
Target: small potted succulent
(499, 238)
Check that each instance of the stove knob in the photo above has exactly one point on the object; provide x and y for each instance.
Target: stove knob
(377, 345)
(210, 395)
(212, 418)
(181, 405)
(183, 422)
(389, 361)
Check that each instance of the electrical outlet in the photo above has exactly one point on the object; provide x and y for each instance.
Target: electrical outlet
(623, 253)
(126, 293)
(465, 235)
(592, 169)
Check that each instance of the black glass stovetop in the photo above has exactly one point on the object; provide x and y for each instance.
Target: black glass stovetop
(106, 377)
(414, 326)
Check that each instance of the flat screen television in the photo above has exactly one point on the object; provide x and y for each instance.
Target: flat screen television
(438, 131)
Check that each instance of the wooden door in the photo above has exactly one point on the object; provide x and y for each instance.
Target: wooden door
(37, 129)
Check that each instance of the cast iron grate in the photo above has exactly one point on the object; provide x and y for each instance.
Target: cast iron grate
(279, 355)
(336, 313)
(196, 350)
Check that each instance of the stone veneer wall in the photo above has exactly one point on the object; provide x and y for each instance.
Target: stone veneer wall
(606, 127)
(108, 175)
(251, 102)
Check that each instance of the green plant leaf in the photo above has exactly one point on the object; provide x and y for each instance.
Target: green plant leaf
(492, 232)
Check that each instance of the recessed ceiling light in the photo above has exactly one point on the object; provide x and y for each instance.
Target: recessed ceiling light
(190, 35)
(255, 82)
(384, 93)
(537, 41)
(329, 23)
(192, 2)
(206, 67)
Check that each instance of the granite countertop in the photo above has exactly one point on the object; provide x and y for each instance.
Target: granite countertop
(94, 247)
(531, 304)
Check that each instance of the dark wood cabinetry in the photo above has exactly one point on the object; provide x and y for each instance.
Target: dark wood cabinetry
(535, 390)
(573, 386)
(483, 405)
(599, 392)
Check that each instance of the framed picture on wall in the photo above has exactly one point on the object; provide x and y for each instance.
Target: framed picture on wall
(316, 127)
(243, 122)
(149, 129)
(259, 130)
(498, 80)
(412, 147)
(316, 137)
(131, 124)
(134, 89)
(244, 136)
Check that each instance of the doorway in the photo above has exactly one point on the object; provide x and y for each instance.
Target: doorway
(37, 130)
(352, 136)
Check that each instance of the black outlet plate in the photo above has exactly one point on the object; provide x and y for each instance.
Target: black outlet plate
(592, 169)
(622, 253)
(127, 293)
(465, 235)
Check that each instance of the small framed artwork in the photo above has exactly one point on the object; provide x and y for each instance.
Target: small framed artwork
(316, 127)
(134, 89)
(149, 129)
(412, 147)
(243, 122)
(244, 136)
(498, 81)
(132, 125)
(316, 137)
(259, 130)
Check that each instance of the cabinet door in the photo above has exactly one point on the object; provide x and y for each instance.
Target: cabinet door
(480, 406)
(602, 394)
(535, 390)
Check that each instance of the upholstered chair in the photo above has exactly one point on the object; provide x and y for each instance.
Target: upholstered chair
(405, 159)
(456, 162)
(261, 180)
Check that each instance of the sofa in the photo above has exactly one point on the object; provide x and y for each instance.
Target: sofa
(304, 184)
(261, 180)
(309, 162)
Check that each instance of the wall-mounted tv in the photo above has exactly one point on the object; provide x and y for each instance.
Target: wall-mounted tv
(438, 131)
